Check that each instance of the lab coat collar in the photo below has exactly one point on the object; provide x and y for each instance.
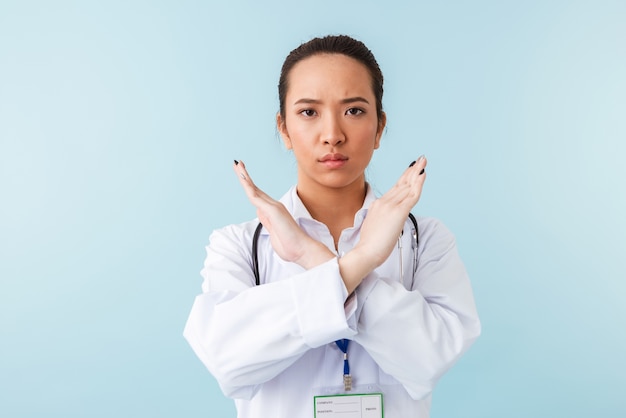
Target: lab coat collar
(294, 205)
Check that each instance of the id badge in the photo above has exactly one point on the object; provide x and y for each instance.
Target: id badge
(364, 405)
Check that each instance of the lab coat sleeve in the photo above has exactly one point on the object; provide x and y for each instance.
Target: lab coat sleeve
(246, 334)
(415, 335)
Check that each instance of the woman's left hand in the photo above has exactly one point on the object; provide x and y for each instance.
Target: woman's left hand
(382, 226)
(387, 215)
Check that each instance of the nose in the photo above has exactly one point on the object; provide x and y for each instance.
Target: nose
(332, 132)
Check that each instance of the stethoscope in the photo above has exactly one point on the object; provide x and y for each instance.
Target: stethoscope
(414, 243)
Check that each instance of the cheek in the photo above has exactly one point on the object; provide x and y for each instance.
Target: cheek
(301, 134)
(370, 134)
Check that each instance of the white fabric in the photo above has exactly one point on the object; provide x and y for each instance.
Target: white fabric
(271, 347)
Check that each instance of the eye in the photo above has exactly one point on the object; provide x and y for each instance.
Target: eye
(308, 113)
(354, 111)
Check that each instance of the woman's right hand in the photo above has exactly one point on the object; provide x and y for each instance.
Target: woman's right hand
(289, 241)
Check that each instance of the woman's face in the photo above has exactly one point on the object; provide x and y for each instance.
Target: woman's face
(330, 120)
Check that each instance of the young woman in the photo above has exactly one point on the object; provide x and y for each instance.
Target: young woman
(357, 307)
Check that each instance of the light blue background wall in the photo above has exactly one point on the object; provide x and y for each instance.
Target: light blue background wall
(119, 122)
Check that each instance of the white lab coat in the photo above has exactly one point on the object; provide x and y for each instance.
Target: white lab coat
(271, 347)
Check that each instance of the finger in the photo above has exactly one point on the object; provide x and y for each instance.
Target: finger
(409, 186)
(255, 195)
(415, 175)
(418, 166)
(245, 180)
(242, 173)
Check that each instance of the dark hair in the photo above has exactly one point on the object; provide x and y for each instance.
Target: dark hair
(339, 44)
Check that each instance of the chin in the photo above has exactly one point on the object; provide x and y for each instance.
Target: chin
(341, 182)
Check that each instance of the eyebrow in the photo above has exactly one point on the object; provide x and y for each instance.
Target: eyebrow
(343, 101)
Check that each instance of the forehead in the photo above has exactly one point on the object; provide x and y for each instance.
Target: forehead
(329, 74)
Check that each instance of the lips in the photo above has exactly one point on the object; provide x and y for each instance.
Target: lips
(333, 157)
(334, 161)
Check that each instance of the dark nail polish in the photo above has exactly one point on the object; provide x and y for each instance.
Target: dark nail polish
(236, 162)
(422, 172)
(412, 164)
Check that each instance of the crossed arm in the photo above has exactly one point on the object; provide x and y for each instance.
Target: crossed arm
(379, 233)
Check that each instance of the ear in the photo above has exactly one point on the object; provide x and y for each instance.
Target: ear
(281, 126)
(381, 128)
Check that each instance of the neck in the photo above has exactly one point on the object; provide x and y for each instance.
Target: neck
(335, 207)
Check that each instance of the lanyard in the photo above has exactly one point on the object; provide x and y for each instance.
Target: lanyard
(347, 379)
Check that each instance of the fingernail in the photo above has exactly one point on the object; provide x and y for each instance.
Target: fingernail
(422, 172)
(236, 162)
(242, 176)
(421, 157)
(412, 164)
